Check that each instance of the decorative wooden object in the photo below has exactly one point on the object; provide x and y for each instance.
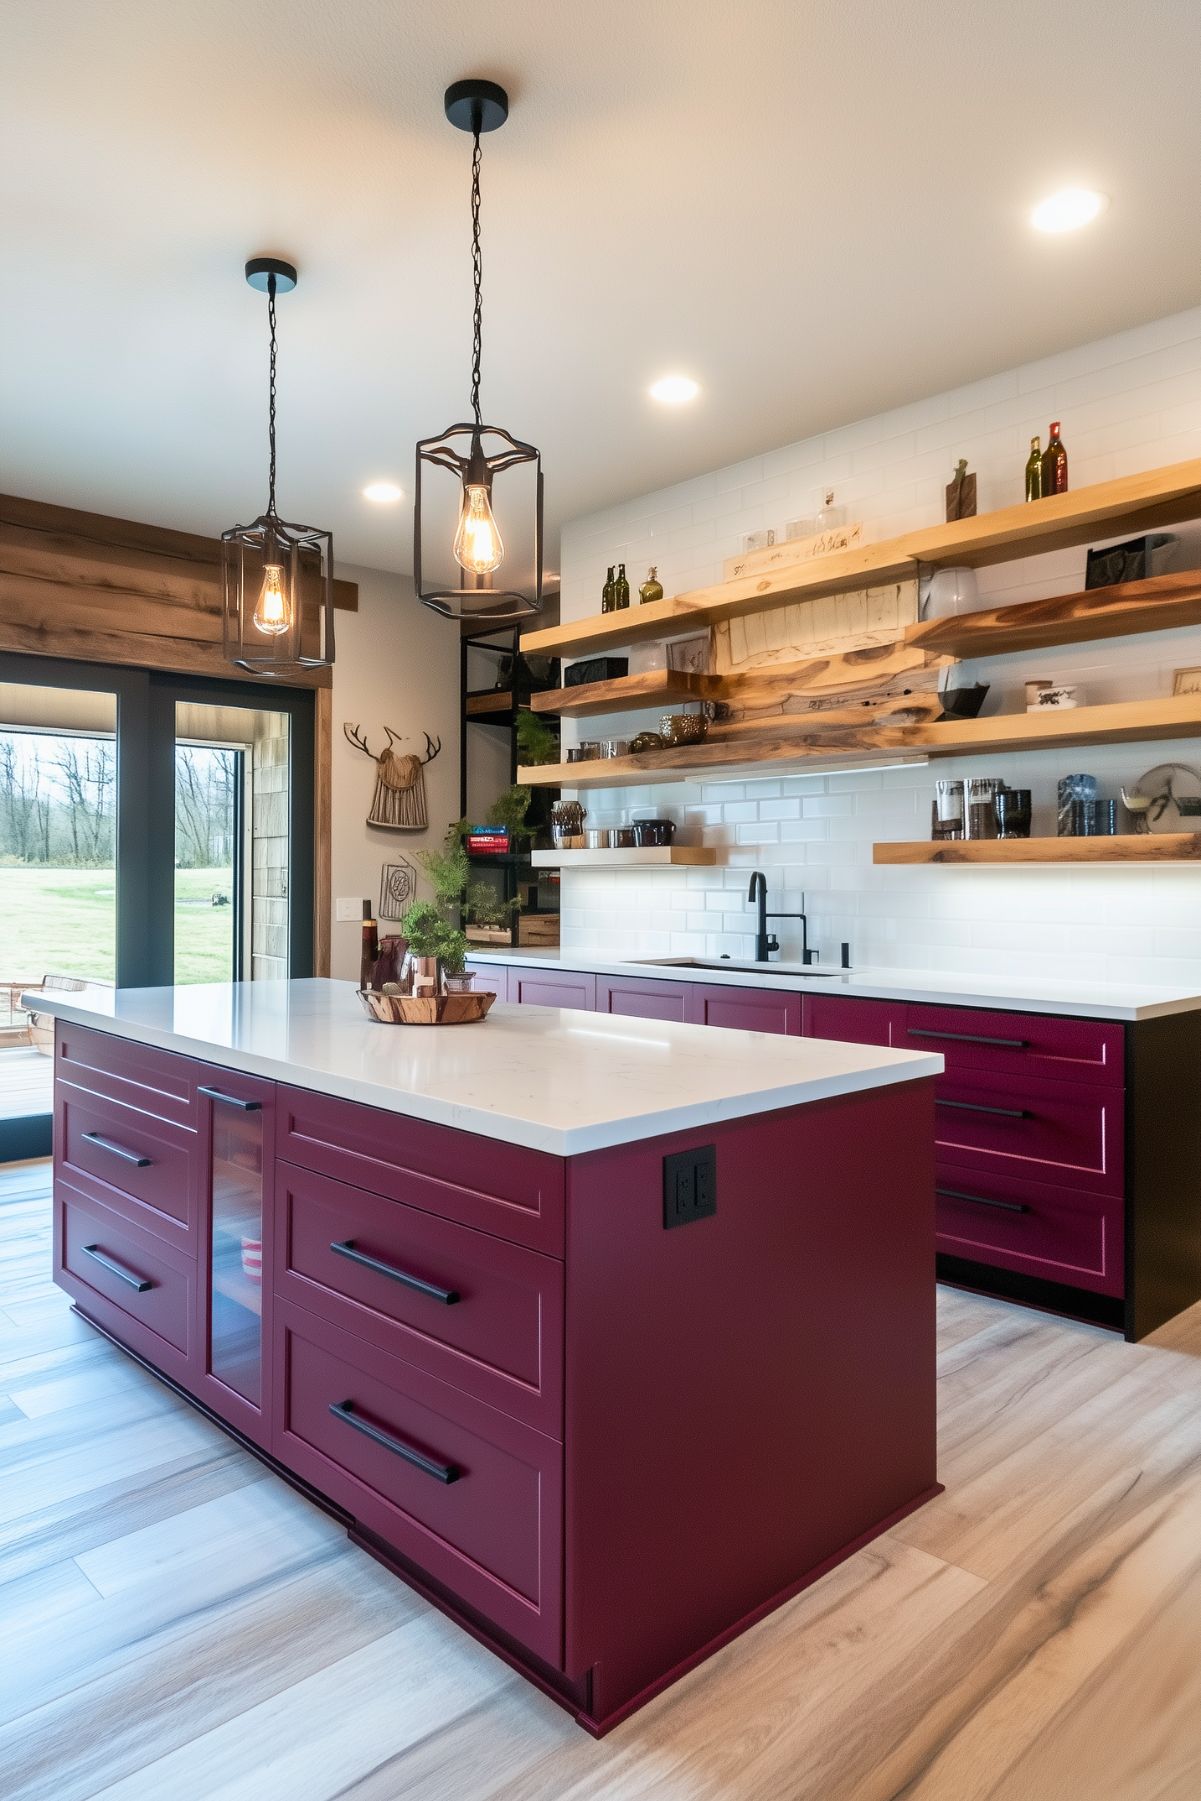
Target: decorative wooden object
(828, 625)
(664, 856)
(82, 585)
(398, 804)
(810, 747)
(791, 551)
(422, 1010)
(1131, 503)
(653, 688)
(961, 492)
(1131, 847)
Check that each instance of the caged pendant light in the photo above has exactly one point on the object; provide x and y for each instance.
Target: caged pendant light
(277, 578)
(463, 566)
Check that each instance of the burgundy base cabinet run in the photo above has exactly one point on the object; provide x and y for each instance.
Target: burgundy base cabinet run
(604, 1446)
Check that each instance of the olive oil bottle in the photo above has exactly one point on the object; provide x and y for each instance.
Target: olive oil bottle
(621, 589)
(1034, 470)
(608, 599)
(652, 587)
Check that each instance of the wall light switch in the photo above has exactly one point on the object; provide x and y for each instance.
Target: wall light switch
(348, 909)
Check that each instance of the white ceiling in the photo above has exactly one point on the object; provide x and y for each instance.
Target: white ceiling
(818, 210)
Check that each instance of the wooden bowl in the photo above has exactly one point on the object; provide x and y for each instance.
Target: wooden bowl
(425, 1010)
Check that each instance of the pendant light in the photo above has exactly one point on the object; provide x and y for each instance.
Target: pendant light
(477, 556)
(277, 578)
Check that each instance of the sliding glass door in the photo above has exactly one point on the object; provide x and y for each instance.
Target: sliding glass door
(153, 829)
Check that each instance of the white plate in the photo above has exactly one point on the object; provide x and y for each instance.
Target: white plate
(1167, 783)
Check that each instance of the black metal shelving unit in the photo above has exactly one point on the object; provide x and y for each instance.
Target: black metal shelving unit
(496, 709)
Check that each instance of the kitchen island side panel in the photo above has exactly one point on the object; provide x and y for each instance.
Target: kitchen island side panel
(750, 1393)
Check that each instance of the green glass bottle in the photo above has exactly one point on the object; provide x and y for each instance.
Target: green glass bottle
(1055, 463)
(1034, 471)
(652, 587)
(608, 600)
(621, 589)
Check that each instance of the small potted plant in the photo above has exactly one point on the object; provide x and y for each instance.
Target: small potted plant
(425, 930)
(456, 977)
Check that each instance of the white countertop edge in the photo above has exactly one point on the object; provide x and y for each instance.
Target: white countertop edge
(1078, 1000)
(572, 1141)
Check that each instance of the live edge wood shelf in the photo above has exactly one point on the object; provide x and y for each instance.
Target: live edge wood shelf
(1132, 503)
(1146, 847)
(814, 749)
(673, 856)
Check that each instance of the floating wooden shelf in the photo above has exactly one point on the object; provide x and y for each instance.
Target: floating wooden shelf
(672, 856)
(486, 701)
(654, 688)
(1132, 503)
(1161, 604)
(802, 743)
(1146, 847)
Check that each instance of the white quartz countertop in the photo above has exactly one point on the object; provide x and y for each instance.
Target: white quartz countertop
(1084, 999)
(543, 1077)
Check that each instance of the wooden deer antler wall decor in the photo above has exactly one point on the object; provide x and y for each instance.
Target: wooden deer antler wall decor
(398, 804)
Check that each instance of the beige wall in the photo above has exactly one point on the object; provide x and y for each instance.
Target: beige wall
(397, 664)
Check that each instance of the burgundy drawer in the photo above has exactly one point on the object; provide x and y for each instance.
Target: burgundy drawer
(378, 1437)
(128, 1270)
(1058, 1234)
(748, 1009)
(1041, 1131)
(156, 1082)
(136, 1163)
(552, 988)
(1073, 1050)
(500, 1336)
(501, 1188)
(851, 1021)
(634, 999)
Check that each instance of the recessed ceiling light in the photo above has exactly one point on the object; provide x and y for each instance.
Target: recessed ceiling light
(1068, 210)
(384, 494)
(674, 390)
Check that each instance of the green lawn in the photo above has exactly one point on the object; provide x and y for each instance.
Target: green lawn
(62, 921)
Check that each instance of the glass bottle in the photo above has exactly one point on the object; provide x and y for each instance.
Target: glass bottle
(652, 587)
(608, 601)
(1034, 470)
(1055, 463)
(621, 589)
(829, 514)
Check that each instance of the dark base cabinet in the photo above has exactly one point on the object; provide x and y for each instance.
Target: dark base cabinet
(603, 1446)
(1068, 1150)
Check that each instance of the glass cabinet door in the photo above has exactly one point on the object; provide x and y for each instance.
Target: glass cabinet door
(236, 1295)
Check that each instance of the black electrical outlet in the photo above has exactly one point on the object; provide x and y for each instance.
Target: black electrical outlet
(689, 1185)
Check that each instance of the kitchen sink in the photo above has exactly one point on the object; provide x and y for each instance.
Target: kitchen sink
(730, 963)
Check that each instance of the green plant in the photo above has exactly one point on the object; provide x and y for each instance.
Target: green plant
(537, 742)
(454, 951)
(509, 809)
(424, 927)
(485, 907)
(448, 869)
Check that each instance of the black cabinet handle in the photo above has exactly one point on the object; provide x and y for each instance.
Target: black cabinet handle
(116, 1269)
(1008, 1044)
(979, 1107)
(231, 1100)
(979, 1200)
(117, 1150)
(441, 1472)
(448, 1296)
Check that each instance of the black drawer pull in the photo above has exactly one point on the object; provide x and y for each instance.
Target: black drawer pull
(441, 1472)
(979, 1107)
(448, 1296)
(117, 1150)
(979, 1200)
(1008, 1044)
(116, 1269)
(231, 1100)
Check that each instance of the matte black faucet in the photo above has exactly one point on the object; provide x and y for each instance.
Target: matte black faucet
(766, 942)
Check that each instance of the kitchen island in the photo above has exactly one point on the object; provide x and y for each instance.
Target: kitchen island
(608, 1335)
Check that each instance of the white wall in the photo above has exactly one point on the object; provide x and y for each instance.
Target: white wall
(1127, 403)
(397, 664)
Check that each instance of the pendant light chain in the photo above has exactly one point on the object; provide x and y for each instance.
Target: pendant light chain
(477, 269)
(271, 397)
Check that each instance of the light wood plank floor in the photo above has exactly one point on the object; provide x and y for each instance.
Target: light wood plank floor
(179, 1626)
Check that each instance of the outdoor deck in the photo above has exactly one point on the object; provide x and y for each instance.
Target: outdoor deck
(26, 1079)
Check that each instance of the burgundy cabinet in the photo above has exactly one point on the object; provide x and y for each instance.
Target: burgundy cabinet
(1044, 1131)
(1017, 1044)
(237, 1137)
(128, 1280)
(552, 988)
(470, 1496)
(636, 999)
(138, 1164)
(749, 1009)
(1057, 1234)
(851, 1021)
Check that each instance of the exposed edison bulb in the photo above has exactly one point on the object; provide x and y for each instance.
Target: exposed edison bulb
(478, 544)
(273, 610)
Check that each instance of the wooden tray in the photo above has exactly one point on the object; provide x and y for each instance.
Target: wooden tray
(423, 1010)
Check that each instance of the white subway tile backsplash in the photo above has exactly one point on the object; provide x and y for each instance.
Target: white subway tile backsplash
(1127, 403)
